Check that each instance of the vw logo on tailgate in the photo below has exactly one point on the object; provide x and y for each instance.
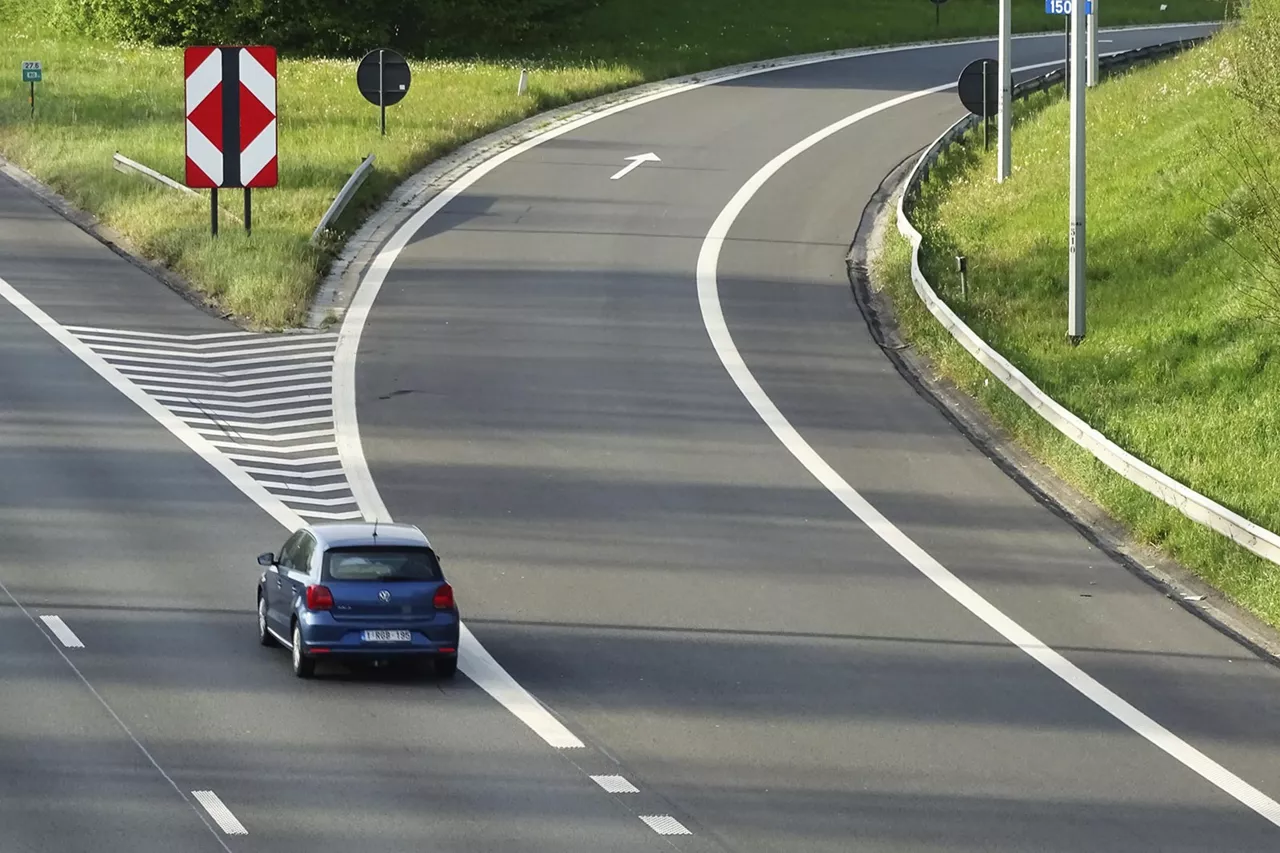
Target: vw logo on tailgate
(384, 596)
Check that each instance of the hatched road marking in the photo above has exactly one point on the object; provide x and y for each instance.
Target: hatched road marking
(276, 427)
(60, 630)
(221, 815)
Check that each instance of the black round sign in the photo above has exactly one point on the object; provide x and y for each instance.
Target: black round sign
(939, 2)
(970, 87)
(383, 77)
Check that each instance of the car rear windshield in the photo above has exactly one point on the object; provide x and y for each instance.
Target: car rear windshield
(381, 564)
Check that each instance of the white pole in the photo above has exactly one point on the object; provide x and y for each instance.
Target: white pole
(1076, 235)
(1093, 44)
(1004, 158)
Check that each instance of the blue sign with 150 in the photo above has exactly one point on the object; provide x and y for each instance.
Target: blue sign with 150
(1063, 7)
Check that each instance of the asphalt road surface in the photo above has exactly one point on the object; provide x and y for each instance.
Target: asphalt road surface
(536, 389)
(536, 385)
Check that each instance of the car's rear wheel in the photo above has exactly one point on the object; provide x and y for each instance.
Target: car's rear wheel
(303, 666)
(446, 667)
(264, 636)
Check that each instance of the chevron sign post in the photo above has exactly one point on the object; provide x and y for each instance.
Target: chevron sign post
(231, 121)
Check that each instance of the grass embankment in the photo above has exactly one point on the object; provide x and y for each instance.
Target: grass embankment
(99, 98)
(1178, 367)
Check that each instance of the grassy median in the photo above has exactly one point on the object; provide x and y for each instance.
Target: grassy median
(1179, 366)
(98, 98)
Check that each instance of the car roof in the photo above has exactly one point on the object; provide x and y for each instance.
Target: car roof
(347, 534)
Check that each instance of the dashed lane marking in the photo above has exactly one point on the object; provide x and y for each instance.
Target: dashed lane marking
(264, 401)
(221, 815)
(665, 824)
(60, 630)
(615, 784)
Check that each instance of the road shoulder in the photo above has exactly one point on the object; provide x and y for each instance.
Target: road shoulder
(1153, 566)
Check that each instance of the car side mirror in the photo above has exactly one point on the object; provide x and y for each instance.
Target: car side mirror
(267, 559)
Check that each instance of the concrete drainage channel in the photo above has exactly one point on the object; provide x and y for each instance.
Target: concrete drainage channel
(1192, 504)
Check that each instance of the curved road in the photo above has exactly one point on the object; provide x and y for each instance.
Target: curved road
(631, 542)
(536, 384)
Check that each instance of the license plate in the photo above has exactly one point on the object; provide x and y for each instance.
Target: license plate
(385, 636)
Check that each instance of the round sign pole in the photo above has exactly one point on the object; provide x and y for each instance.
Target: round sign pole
(383, 79)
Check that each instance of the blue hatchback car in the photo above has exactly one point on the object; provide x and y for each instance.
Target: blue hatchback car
(358, 592)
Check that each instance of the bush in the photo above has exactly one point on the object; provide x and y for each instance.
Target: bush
(437, 28)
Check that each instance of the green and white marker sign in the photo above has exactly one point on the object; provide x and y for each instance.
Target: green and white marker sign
(32, 72)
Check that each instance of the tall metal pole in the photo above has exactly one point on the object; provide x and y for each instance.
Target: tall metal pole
(382, 107)
(1004, 157)
(1093, 44)
(1076, 235)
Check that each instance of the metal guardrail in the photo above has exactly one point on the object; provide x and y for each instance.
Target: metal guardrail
(1189, 502)
(344, 196)
(121, 163)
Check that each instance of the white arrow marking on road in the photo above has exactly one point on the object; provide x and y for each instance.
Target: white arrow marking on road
(636, 162)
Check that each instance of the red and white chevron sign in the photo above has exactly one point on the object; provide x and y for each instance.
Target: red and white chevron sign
(231, 116)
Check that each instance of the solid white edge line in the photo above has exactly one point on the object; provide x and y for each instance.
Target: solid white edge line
(175, 425)
(220, 813)
(727, 350)
(476, 663)
(60, 630)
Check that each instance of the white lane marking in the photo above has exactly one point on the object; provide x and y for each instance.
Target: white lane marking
(354, 515)
(220, 813)
(271, 460)
(665, 824)
(252, 425)
(62, 632)
(615, 784)
(157, 335)
(316, 501)
(476, 663)
(302, 487)
(4, 590)
(254, 348)
(190, 392)
(303, 475)
(266, 448)
(636, 162)
(201, 446)
(250, 404)
(262, 436)
(213, 409)
(1086, 685)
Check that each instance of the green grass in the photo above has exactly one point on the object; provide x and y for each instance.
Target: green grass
(98, 98)
(1177, 367)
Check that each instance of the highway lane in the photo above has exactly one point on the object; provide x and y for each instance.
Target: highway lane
(147, 554)
(642, 553)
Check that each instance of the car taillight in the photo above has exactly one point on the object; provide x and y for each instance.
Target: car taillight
(444, 597)
(319, 598)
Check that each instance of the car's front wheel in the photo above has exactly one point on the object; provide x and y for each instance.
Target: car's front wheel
(303, 666)
(264, 636)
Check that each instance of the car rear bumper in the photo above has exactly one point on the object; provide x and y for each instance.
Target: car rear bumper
(325, 636)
